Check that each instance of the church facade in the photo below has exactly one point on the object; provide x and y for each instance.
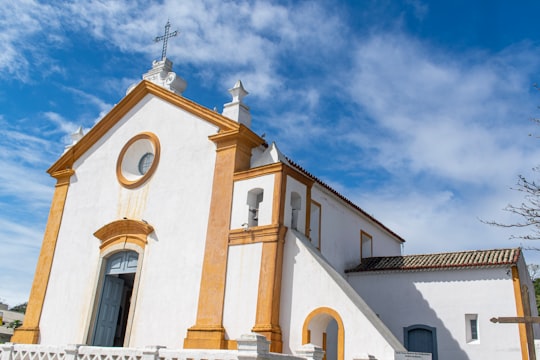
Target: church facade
(174, 225)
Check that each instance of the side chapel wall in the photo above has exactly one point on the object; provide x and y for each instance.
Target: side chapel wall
(486, 292)
(340, 232)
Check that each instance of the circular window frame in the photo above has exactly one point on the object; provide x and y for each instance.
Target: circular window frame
(133, 183)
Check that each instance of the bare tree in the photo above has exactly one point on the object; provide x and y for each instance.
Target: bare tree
(528, 210)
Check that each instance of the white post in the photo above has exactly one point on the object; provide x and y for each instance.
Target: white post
(253, 346)
(72, 351)
(7, 351)
(310, 352)
(152, 352)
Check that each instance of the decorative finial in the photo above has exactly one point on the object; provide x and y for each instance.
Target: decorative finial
(236, 109)
(165, 38)
(238, 92)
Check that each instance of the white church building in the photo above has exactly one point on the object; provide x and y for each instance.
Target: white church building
(176, 228)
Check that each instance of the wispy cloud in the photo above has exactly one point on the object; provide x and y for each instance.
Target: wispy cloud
(454, 117)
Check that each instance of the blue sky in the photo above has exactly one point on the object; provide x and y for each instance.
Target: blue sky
(418, 111)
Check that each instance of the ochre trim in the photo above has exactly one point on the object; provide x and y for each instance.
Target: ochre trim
(324, 345)
(278, 208)
(233, 154)
(29, 332)
(306, 334)
(300, 177)
(126, 104)
(269, 292)
(130, 184)
(520, 313)
(256, 234)
(259, 171)
(126, 230)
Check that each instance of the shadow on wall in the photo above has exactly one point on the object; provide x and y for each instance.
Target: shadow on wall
(397, 299)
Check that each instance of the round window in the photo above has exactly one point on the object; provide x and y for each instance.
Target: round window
(138, 160)
(145, 163)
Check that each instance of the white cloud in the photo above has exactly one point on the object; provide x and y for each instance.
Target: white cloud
(248, 38)
(457, 118)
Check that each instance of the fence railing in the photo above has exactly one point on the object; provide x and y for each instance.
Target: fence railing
(250, 347)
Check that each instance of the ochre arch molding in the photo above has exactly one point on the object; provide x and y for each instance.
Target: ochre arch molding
(122, 231)
(341, 329)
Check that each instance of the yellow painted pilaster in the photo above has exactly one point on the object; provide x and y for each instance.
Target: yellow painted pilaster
(29, 332)
(520, 313)
(233, 153)
(269, 294)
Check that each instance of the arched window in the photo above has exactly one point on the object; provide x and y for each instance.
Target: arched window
(254, 200)
(296, 206)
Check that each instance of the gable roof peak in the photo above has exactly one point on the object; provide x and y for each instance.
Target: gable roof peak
(162, 74)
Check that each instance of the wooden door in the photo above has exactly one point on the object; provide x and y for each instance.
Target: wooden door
(109, 308)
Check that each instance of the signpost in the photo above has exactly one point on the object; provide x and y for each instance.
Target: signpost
(527, 319)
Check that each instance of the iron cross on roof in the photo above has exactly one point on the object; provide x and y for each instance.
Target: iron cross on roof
(165, 38)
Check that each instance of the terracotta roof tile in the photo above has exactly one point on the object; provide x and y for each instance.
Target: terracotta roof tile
(464, 259)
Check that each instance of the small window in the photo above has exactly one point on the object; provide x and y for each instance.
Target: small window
(296, 206)
(366, 245)
(254, 200)
(138, 160)
(315, 224)
(145, 163)
(471, 324)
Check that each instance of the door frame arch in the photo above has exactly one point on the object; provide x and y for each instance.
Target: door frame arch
(341, 329)
(118, 236)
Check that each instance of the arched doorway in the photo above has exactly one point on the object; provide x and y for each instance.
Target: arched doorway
(323, 327)
(122, 251)
(115, 300)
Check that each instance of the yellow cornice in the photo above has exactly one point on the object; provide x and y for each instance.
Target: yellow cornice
(259, 171)
(62, 176)
(267, 233)
(128, 102)
(233, 137)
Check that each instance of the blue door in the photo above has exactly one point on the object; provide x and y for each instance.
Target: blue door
(421, 338)
(110, 325)
(109, 308)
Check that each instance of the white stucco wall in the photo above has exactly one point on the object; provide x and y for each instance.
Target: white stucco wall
(309, 283)
(441, 299)
(240, 208)
(340, 232)
(242, 288)
(175, 201)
